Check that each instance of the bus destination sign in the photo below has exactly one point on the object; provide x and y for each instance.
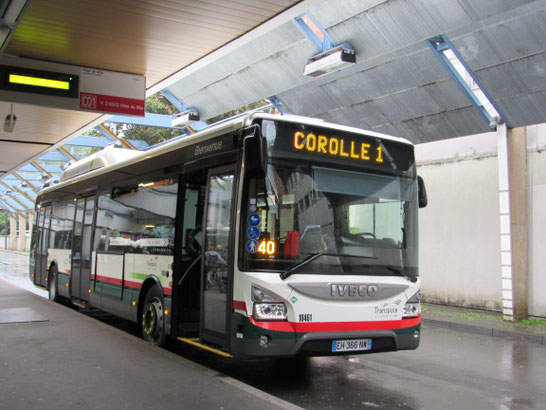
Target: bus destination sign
(323, 144)
(337, 147)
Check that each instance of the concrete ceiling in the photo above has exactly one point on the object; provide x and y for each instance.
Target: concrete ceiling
(397, 85)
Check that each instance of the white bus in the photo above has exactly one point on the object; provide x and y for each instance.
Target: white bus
(265, 236)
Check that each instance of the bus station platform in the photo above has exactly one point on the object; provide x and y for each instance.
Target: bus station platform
(54, 357)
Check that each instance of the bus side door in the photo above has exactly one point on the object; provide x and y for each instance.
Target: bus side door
(81, 248)
(42, 246)
(217, 260)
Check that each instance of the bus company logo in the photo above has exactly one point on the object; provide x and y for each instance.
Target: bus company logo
(205, 149)
(388, 308)
(152, 263)
(352, 290)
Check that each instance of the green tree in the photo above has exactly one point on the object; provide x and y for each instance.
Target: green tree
(3, 218)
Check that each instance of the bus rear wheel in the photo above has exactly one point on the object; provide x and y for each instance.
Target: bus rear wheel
(52, 285)
(152, 320)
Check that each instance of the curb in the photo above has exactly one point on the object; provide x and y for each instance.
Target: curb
(488, 331)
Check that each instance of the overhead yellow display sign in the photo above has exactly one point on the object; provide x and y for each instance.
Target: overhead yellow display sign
(38, 82)
(31, 81)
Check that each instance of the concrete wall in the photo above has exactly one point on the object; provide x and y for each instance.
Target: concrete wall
(459, 230)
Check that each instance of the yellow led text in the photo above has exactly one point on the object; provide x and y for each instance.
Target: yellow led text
(338, 147)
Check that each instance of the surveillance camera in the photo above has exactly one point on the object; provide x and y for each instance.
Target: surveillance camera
(494, 122)
(9, 123)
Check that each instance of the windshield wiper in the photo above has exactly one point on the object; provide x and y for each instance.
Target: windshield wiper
(314, 256)
(298, 265)
(400, 272)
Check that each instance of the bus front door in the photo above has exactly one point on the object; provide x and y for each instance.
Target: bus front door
(217, 255)
(81, 248)
(42, 247)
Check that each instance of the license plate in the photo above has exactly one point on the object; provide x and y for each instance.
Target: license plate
(351, 345)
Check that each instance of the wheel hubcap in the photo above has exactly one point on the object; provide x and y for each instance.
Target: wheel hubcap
(152, 319)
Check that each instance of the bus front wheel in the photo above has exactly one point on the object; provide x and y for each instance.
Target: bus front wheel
(52, 285)
(152, 321)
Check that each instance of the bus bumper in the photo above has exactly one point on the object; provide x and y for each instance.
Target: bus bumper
(250, 340)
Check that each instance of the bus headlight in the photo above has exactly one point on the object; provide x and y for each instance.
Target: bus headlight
(269, 311)
(412, 308)
(267, 306)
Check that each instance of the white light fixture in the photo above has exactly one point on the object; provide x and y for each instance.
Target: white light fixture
(339, 57)
(185, 118)
(10, 15)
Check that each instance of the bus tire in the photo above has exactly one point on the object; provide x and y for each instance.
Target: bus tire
(53, 285)
(152, 320)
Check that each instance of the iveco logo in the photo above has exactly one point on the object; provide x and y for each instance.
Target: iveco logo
(352, 289)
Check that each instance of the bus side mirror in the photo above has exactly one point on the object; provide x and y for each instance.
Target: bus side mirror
(422, 192)
(255, 152)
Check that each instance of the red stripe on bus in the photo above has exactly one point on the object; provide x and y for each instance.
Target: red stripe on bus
(134, 285)
(129, 284)
(238, 305)
(108, 279)
(337, 326)
(138, 285)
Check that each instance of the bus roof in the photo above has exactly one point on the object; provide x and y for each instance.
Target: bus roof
(117, 162)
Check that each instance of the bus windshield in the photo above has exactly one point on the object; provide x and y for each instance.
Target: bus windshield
(326, 217)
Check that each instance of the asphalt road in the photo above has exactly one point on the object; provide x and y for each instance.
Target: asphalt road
(450, 370)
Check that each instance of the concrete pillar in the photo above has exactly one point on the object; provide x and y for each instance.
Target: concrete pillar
(22, 240)
(512, 157)
(13, 232)
(517, 159)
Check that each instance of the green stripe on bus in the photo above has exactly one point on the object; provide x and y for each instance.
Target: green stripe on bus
(143, 276)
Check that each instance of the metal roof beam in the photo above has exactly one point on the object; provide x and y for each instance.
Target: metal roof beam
(46, 169)
(29, 198)
(88, 141)
(67, 154)
(21, 204)
(26, 181)
(279, 104)
(52, 156)
(439, 45)
(28, 176)
(314, 32)
(41, 169)
(7, 201)
(149, 120)
(105, 131)
(180, 106)
(7, 206)
(193, 128)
